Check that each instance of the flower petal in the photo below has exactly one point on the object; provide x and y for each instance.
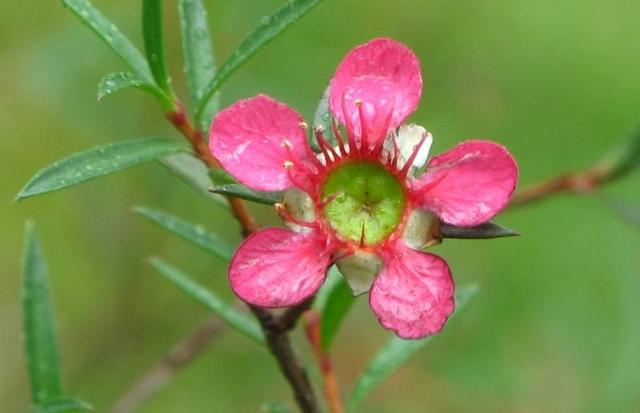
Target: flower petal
(385, 75)
(469, 184)
(248, 141)
(278, 268)
(413, 295)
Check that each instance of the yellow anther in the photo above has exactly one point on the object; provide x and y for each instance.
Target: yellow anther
(286, 143)
(357, 102)
(287, 164)
(303, 125)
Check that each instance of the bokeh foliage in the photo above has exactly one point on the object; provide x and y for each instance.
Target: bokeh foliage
(554, 326)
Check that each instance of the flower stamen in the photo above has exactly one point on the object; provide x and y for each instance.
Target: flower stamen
(339, 137)
(348, 123)
(364, 134)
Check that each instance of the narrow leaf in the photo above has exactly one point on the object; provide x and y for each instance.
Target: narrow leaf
(627, 211)
(194, 173)
(268, 28)
(221, 177)
(109, 33)
(339, 302)
(210, 300)
(195, 234)
(483, 231)
(199, 61)
(392, 355)
(323, 119)
(40, 335)
(322, 297)
(243, 192)
(624, 157)
(115, 82)
(99, 161)
(153, 44)
(275, 407)
(63, 405)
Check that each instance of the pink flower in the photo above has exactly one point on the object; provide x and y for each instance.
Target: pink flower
(361, 203)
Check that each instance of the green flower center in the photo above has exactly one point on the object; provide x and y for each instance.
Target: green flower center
(367, 204)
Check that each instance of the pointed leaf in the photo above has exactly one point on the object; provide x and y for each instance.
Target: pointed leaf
(99, 161)
(625, 210)
(392, 355)
(339, 302)
(221, 177)
(63, 405)
(153, 43)
(199, 61)
(269, 28)
(109, 33)
(483, 231)
(624, 158)
(210, 300)
(333, 302)
(243, 192)
(194, 173)
(40, 335)
(115, 82)
(275, 407)
(195, 234)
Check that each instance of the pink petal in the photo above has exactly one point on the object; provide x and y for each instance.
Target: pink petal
(469, 184)
(276, 267)
(247, 139)
(385, 75)
(413, 295)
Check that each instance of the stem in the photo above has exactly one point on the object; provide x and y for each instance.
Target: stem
(581, 182)
(179, 119)
(331, 389)
(163, 371)
(279, 344)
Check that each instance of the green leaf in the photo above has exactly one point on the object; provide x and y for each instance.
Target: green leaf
(323, 116)
(483, 231)
(199, 61)
(339, 303)
(99, 161)
(243, 192)
(625, 210)
(192, 233)
(109, 33)
(392, 355)
(268, 28)
(624, 158)
(275, 407)
(153, 44)
(194, 173)
(221, 177)
(115, 82)
(63, 405)
(210, 300)
(40, 341)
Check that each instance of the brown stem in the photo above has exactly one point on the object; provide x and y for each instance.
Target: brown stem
(331, 389)
(581, 181)
(279, 344)
(162, 372)
(180, 120)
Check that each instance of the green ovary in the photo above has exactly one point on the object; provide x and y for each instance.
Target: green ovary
(368, 204)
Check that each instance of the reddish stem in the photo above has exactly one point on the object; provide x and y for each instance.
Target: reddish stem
(331, 392)
(180, 120)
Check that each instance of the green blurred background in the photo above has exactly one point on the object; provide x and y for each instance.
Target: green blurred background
(555, 326)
